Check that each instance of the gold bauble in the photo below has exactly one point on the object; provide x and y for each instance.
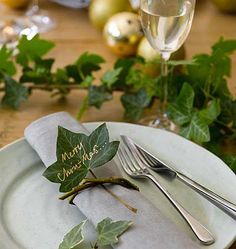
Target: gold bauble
(123, 33)
(148, 53)
(101, 10)
(226, 5)
(15, 4)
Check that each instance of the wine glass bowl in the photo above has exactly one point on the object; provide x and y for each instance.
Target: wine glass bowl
(166, 24)
(39, 17)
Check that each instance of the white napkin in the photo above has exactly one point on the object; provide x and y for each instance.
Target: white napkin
(151, 229)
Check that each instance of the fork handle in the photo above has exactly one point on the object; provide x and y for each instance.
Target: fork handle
(199, 230)
(222, 203)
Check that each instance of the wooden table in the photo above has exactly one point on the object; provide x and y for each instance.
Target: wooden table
(74, 35)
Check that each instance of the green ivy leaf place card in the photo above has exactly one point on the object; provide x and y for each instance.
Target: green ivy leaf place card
(77, 155)
(77, 161)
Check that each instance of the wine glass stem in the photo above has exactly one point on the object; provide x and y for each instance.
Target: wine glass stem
(164, 76)
(36, 3)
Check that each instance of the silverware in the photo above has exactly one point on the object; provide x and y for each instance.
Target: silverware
(135, 169)
(160, 167)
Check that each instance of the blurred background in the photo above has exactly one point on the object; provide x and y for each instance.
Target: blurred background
(80, 23)
(77, 26)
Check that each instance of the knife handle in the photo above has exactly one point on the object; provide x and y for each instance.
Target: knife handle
(199, 230)
(222, 203)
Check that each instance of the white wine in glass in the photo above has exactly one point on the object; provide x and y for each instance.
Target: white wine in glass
(166, 24)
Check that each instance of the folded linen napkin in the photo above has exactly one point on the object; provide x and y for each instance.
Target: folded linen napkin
(151, 229)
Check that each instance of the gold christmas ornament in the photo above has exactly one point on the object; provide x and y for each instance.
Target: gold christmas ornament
(15, 4)
(148, 53)
(226, 5)
(101, 10)
(123, 33)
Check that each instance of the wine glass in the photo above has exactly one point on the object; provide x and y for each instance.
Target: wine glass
(39, 17)
(166, 24)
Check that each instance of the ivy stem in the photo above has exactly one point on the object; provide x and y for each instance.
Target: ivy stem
(46, 87)
(116, 196)
(95, 245)
(92, 182)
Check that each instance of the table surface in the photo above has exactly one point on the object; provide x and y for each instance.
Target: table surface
(74, 35)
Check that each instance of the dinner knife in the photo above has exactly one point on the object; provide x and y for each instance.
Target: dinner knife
(159, 166)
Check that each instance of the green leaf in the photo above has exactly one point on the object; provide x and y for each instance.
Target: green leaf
(73, 238)
(31, 50)
(126, 65)
(87, 82)
(110, 77)
(15, 93)
(77, 153)
(84, 66)
(60, 77)
(182, 62)
(109, 231)
(230, 160)
(210, 114)
(6, 65)
(98, 95)
(228, 112)
(199, 72)
(134, 104)
(197, 130)
(40, 73)
(137, 80)
(181, 111)
(83, 108)
(224, 46)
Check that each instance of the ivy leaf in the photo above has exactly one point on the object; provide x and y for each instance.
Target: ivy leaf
(181, 111)
(98, 95)
(40, 74)
(210, 114)
(134, 104)
(73, 238)
(224, 46)
(6, 65)
(230, 160)
(110, 77)
(138, 79)
(31, 50)
(60, 77)
(87, 81)
(77, 153)
(15, 93)
(182, 62)
(228, 113)
(109, 231)
(197, 130)
(84, 66)
(126, 65)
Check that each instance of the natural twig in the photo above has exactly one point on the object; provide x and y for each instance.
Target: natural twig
(92, 182)
(115, 196)
(48, 87)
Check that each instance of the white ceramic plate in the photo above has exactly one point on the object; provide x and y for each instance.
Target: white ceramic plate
(31, 217)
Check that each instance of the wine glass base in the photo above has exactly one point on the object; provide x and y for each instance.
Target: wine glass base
(160, 121)
(12, 30)
(41, 19)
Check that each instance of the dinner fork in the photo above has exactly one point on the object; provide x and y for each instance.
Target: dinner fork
(135, 169)
(158, 166)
